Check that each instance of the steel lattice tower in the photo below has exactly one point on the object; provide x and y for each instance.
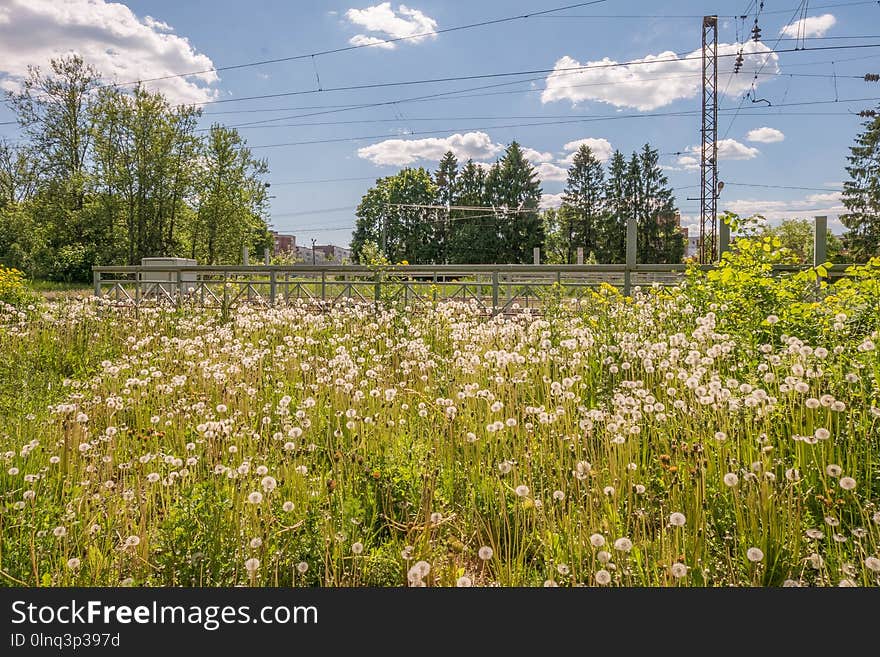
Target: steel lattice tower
(709, 150)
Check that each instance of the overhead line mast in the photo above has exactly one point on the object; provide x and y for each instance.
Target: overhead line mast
(709, 143)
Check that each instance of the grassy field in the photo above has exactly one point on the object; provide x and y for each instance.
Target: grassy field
(682, 437)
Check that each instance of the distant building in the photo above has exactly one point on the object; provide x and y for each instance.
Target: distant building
(283, 243)
(334, 254)
(693, 247)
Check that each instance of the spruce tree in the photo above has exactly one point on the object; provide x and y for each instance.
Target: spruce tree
(861, 194)
(445, 178)
(468, 241)
(583, 205)
(513, 188)
(659, 237)
(618, 202)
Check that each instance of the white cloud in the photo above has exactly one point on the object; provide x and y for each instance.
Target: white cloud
(537, 157)
(382, 19)
(809, 206)
(400, 152)
(810, 26)
(364, 40)
(601, 149)
(765, 135)
(728, 149)
(550, 201)
(550, 172)
(107, 35)
(655, 80)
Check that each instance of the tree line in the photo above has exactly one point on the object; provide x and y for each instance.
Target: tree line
(108, 176)
(491, 214)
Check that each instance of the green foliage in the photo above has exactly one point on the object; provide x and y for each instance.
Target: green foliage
(13, 288)
(861, 194)
(109, 176)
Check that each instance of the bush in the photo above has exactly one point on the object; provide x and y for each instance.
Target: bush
(13, 289)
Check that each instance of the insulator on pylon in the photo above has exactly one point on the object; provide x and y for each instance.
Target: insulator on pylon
(868, 114)
(872, 77)
(756, 32)
(737, 64)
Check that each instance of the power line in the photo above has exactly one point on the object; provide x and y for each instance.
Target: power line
(693, 16)
(610, 117)
(808, 189)
(484, 76)
(377, 42)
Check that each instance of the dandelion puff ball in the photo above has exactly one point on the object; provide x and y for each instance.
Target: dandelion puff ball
(754, 554)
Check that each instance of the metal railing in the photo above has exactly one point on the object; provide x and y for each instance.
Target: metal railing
(495, 288)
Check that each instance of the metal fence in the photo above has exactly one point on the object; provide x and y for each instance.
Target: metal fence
(495, 288)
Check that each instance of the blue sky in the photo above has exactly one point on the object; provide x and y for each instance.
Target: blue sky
(614, 107)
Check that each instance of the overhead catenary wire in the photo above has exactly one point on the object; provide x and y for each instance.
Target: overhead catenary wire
(373, 43)
(485, 76)
(542, 123)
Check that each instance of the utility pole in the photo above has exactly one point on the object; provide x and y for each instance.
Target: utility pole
(709, 143)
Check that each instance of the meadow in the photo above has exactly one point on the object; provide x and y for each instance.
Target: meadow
(724, 432)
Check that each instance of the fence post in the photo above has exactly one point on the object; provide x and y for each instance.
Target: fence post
(179, 288)
(580, 259)
(631, 236)
(272, 283)
(96, 281)
(494, 290)
(536, 255)
(820, 239)
(323, 285)
(266, 256)
(245, 260)
(723, 237)
(377, 292)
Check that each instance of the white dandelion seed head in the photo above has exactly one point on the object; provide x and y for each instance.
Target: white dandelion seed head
(754, 554)
(522, 490)
(60, 531)
(603, 557)
(268, 484)
(847, 483)
(872, 564)
(485, 553)
(678, 570)
(255, 497)
(603, 577)
(357, 547)
(558, 495)
(677, 519)
(73, 563)
(302, 567)
(256, 542)
(597, 540)
(464, 582)
(731, 479)
(252, 565)
(623, 544)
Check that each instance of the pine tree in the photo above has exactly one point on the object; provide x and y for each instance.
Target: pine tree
(861, 194)
(611, 246)
(513, 189)
(659, 237)
(469, 242)
(583, 205)
(446, 180)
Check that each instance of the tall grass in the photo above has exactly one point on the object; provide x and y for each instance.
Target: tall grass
(634, 443)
